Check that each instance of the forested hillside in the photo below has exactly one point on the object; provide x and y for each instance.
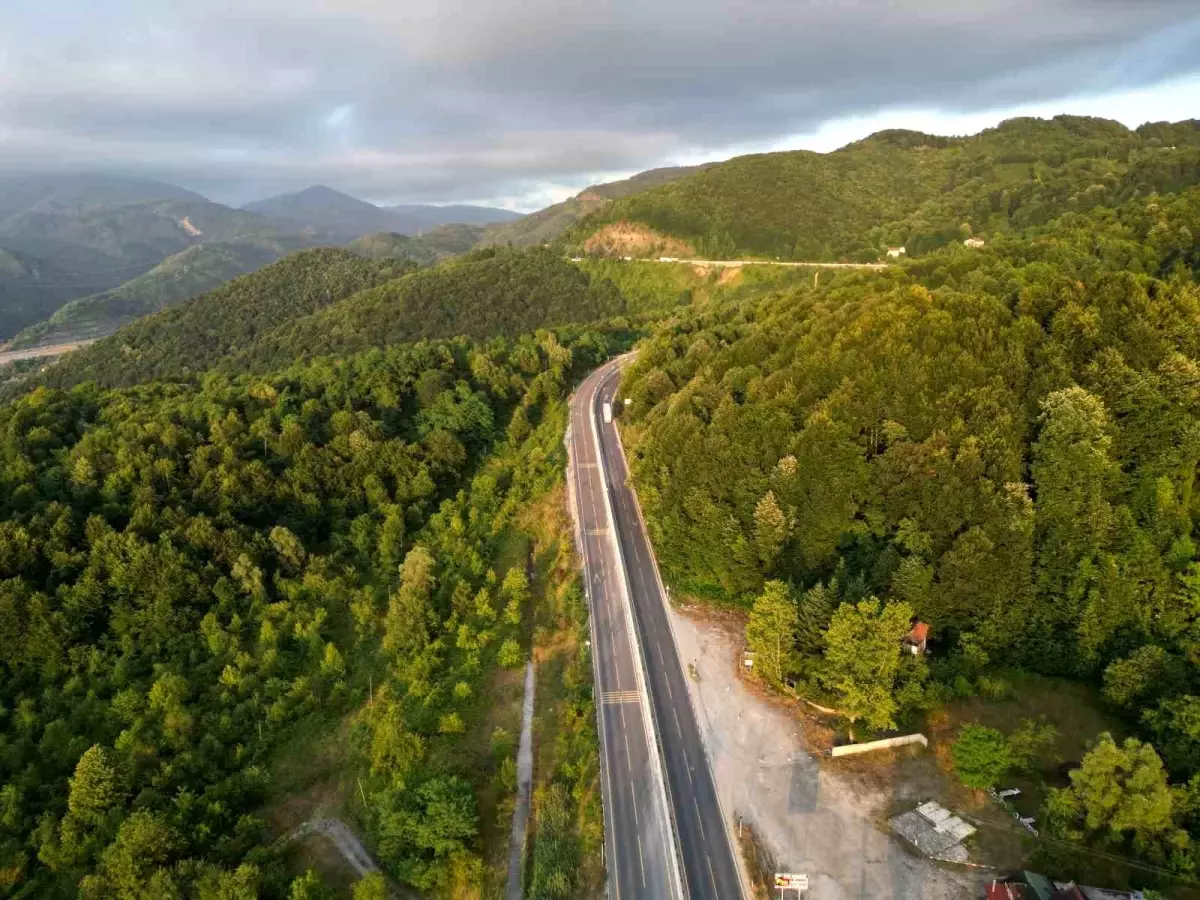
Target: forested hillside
(31, 289)
(189, 273)
(902, 188)
(432, 246)
(1003, 443)
(322, 302)
(197, 335)
(82, 239)
(489, 292)
(548, 224)
(195, 577)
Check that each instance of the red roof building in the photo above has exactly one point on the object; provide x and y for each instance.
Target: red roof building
(915, 640)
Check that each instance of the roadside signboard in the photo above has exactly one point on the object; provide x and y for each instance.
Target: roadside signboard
(791, 881)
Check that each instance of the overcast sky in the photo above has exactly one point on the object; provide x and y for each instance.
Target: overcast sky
(522, 102)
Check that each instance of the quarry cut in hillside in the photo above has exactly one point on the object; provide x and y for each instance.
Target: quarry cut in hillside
(632, 239)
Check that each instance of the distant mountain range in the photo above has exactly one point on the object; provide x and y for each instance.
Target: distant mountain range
(82, 254)
(63, 238)
(323, 211)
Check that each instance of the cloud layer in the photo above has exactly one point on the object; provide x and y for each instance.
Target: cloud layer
(493, 99)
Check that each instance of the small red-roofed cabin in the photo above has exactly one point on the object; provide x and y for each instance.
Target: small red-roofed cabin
(914, 641)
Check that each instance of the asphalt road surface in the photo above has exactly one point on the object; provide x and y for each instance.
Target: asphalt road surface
(637, 832)
(709, 868)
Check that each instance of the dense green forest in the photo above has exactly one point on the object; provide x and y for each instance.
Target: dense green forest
(321, 302)
(190, 573)
(488, 292)
(909, 189)
(1003, 443)
(428, 248)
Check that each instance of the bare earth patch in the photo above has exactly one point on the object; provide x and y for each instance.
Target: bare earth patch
(826, 819)
(633, 239)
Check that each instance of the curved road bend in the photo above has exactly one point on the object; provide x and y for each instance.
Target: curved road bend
(637, 833)
(710, 870)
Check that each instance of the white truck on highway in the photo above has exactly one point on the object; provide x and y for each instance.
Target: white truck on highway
(606, 411)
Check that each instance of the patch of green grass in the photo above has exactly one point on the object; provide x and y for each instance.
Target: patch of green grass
(1075, 710)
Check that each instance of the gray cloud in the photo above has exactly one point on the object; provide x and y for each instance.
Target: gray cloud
(489, 98)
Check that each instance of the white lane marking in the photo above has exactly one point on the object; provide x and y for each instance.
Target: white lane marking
(711, 876)
(699, 818)
(641, 862)
(620, 697)
(675, 713)
(628, 762)
(661, 660)
(667, 683)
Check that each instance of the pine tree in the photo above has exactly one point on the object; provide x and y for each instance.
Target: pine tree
(815, 610)
(770, 529)
(95, 787)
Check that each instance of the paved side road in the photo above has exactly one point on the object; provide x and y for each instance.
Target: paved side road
(520, 823)
(710, 865)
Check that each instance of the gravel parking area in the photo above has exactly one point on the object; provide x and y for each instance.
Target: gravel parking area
(809, 816)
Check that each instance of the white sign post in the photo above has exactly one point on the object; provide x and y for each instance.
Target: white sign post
(791, 881)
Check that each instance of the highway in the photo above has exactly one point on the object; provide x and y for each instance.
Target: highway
(709, 869)
(639, 852)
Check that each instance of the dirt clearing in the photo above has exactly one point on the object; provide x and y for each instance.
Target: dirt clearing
(632, 239)
(825, 820)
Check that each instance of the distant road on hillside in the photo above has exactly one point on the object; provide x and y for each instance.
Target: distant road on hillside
(11, 356)
(738, 263)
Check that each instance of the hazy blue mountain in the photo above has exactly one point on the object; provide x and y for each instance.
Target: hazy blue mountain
(322, 211)
(67, 243)
(418, 217)
(22, 192)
